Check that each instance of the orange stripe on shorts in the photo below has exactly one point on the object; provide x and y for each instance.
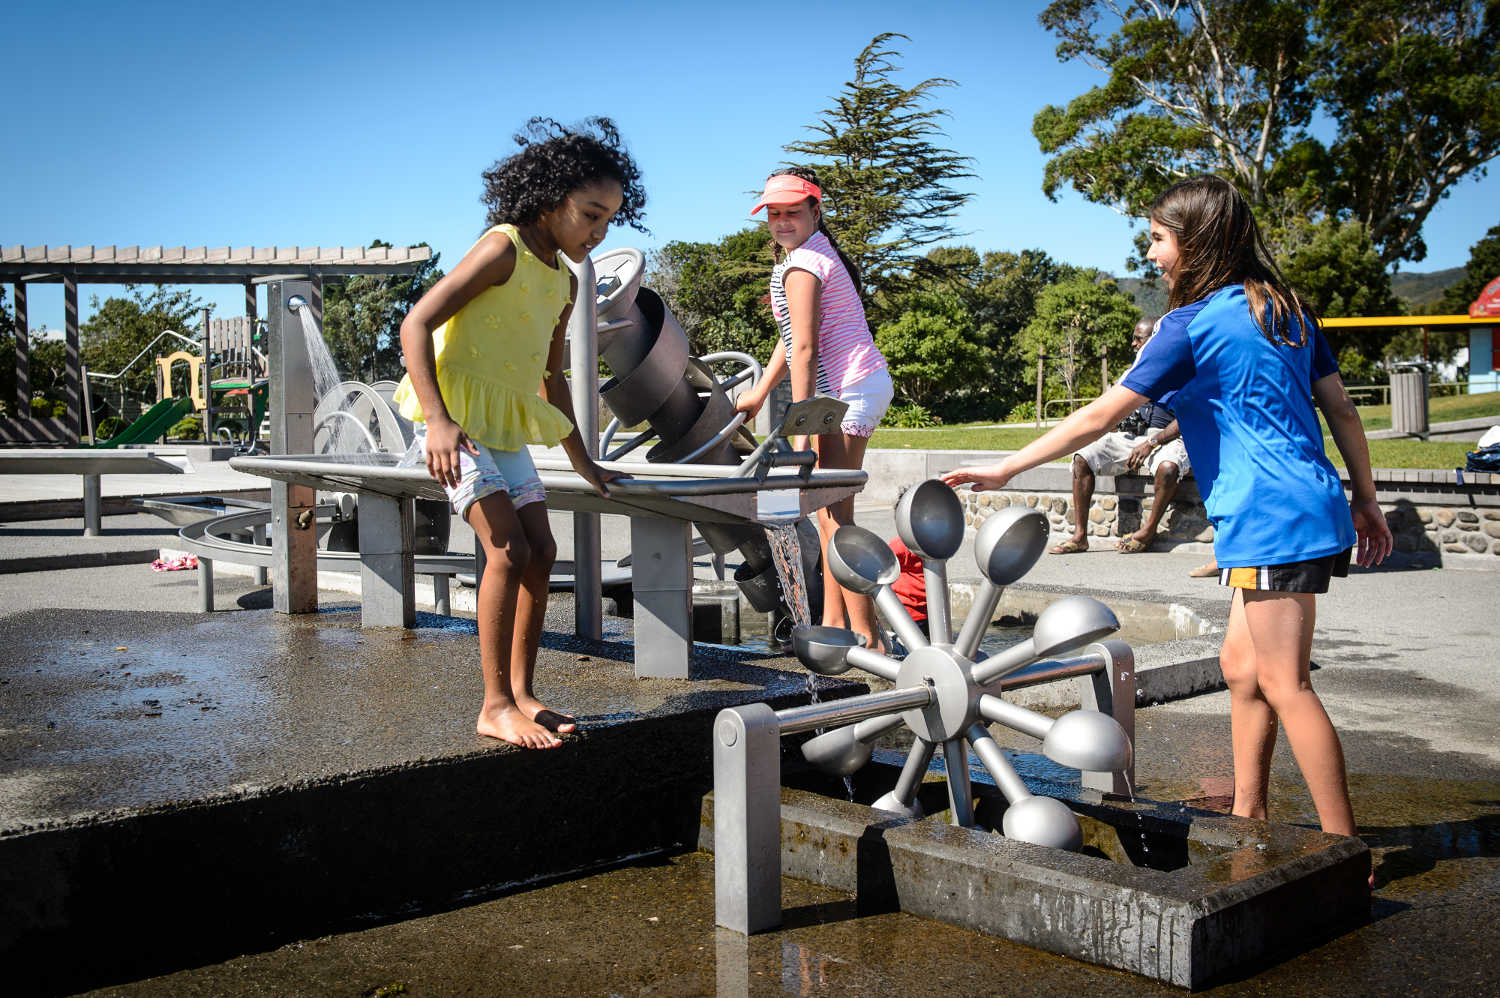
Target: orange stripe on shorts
(1243, 578)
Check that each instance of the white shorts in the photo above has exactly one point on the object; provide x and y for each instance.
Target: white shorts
(868, 399)
(1106, 456)
(509, 471)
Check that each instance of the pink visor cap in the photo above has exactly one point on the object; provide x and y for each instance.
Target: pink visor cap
(787, 189)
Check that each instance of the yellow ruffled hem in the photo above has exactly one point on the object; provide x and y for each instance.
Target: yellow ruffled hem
(495, 415)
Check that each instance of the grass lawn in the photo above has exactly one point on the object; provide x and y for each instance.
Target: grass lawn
(1383, 453)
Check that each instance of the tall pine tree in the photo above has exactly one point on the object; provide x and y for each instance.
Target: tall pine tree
(888, 185)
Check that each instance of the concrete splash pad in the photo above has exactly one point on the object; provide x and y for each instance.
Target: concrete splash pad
(178, 788)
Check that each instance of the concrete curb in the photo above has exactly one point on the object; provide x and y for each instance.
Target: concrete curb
(90, 559)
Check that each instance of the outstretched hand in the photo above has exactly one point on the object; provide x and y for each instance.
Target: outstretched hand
(981, 477)
(446, 440)
(1374, 533)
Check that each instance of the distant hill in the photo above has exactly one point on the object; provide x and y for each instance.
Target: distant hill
(1424, 289)
(1151, 299)
(1411, 287)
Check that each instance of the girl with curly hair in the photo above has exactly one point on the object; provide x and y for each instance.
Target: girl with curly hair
(477, 346)
(1241, 360)
(827, 348)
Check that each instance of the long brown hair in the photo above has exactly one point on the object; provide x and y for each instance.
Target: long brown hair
(777, 252)
(1219, 244)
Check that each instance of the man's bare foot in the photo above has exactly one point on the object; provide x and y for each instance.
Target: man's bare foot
(510, 725)
(554, 721)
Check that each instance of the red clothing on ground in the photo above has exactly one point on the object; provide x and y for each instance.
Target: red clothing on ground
(911, 586)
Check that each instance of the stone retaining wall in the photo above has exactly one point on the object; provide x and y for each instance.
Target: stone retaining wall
(1439, 518)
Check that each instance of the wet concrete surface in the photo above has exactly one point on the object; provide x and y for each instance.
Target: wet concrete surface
(1412, 693)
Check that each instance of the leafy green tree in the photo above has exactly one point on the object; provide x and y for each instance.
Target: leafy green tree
(931, 353)
(888, 184)
(718, 291)
(1482, 268)
(1074, 319)
(1231, 86)
(1337, 270)
(1412, 86)
(362, 318)
(121, 328)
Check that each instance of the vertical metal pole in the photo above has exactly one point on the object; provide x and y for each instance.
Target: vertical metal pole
(1112, 691)
(72, 421)
(206, 584)
(747, 818)
(1041, 369)
(258, 537)
(91, 504)
(23, 355)
(208, 382)
(294, 564)
(88, 401)
(583, 360)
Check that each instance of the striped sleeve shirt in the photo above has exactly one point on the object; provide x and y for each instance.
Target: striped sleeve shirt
(846, 350)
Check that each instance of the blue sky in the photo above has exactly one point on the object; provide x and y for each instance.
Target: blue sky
(333, 123)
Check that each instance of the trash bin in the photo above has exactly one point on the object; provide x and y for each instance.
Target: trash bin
(1409, 399)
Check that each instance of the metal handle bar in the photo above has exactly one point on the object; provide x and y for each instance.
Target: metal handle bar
(820, 715)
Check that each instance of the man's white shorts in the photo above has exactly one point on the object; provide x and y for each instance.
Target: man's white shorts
(1106, 456)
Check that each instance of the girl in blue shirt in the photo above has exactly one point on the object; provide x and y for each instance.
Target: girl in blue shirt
(1240, 360)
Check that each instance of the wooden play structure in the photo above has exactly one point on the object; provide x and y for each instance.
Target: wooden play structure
(70, 266)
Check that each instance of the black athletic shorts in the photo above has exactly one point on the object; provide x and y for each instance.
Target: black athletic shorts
(1294, 577)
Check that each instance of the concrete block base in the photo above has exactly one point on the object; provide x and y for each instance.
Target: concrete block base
(1177, 895)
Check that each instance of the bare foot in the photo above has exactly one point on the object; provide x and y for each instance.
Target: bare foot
(510, 725)
(554, 721)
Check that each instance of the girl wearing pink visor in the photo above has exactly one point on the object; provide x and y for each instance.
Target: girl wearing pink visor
(828, 350)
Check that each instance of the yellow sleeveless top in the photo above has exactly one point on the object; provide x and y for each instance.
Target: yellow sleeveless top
(491, 356)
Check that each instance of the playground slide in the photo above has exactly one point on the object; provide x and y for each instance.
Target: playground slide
(151, 424)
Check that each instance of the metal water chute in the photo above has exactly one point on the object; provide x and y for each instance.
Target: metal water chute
(688, 412)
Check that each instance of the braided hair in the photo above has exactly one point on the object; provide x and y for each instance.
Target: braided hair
(555, 161)
(777, 252)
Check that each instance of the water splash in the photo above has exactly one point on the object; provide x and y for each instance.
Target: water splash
(1140, 822)
(786, 554)
(344, 433)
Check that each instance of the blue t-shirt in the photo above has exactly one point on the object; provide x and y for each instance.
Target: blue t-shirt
(1245, 410)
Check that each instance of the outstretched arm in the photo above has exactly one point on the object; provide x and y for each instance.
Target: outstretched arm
(1349, 437)
(1082, 427)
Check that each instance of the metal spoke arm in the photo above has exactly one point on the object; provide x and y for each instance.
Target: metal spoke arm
(978, 620)
(1028, 722)
(999, 767)
(875, 663)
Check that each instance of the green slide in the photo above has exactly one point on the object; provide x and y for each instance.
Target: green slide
(151, 424)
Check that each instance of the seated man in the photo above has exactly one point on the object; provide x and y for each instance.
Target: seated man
(1149, 438)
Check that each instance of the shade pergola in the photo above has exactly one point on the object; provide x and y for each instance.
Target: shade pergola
(71, 266)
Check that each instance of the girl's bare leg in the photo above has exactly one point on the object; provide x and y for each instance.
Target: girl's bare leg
(531, 608)
(1281, 627)
(1252, 723)
(842, 451)
(507, 556)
